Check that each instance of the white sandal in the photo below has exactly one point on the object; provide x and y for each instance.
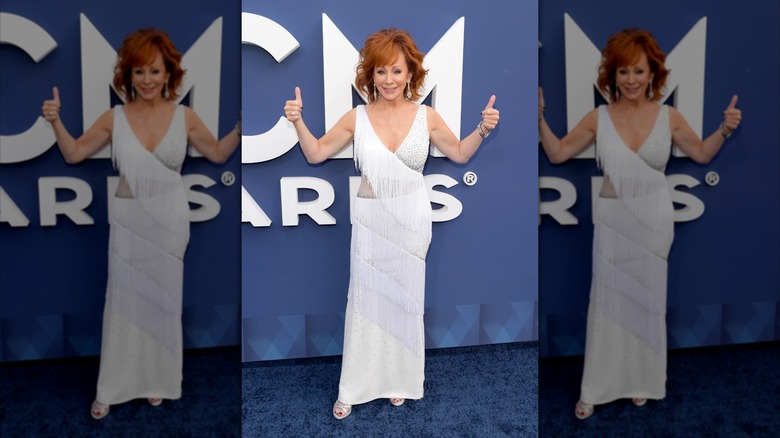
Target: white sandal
(583, 410)
(341, 410)
(639, 401)
(99, 410)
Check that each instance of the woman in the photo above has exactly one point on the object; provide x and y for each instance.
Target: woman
(625, 350)
(384, 351)
(141, 353)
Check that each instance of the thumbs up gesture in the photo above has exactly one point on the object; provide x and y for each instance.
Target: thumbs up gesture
(293, 108)
(51, 108)
(490, 115)
(731, 117)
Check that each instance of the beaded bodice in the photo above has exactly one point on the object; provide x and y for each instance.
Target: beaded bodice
(413, 151)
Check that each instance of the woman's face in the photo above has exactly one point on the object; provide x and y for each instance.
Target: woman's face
(633, 80)
(148, 80)
(391, 79)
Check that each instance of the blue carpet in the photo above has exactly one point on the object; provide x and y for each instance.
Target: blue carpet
(728, 391)
(52, 398)
(482, 391)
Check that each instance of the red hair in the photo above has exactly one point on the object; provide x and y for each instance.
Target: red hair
(382, 48)
(625, 48)
(139, 49)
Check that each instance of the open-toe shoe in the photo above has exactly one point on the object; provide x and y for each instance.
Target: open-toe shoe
(155, 401)
(341, 410)
(639, 401)
(98, 410)
(583, 410)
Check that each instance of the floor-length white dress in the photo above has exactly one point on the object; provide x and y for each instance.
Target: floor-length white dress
(384, 340)
(141, 353)
(625, 349)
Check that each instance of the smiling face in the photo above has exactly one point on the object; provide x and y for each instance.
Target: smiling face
(633, 80)
(149, 80)
(391, 79)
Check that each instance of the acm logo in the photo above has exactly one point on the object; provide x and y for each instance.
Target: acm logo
(685, 82)
(443, 83)
(203, 64)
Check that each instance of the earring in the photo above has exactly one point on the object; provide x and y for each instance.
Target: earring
(375, 96)
(617, 92)
(132, 92)
(650, 90)
(166, 94)
(409, 90)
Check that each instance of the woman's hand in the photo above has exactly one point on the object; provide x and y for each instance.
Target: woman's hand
(541, 104)
(490, 115)
(293, 108)
(732, 116)
(51, 108)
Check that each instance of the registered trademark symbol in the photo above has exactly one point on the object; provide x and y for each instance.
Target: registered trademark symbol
(712, 178)
(469, 178)
(228, 178)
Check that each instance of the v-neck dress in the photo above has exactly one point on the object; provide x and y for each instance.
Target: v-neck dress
(141, 353)
(625, 349)
(384, 338)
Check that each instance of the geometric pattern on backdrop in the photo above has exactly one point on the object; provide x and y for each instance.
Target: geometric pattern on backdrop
(452, 326)
(82, 334)
(78, 335)
(749, 322)
(324, 334)
(568, 334)
(502, 323)
(297, 336)
(694, 326)
(30, 338)
(288, 337)
(209, 326)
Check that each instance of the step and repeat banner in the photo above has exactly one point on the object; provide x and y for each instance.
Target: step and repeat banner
(481, 284)
(724, 275)
(53, 216)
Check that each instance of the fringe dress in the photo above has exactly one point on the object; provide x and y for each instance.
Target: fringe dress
(625, 350)
(141, 353)
(384, 341)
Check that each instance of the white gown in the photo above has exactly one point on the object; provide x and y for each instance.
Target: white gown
(141, 353)
(384, 340)
(625, 349)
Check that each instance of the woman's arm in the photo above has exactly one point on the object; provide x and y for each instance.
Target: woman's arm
(560, 150)
(446, 141)
(690, 143)
(76, 150)
(317, 151)
(204, 142)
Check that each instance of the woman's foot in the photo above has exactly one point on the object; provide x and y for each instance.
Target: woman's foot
(99, 410)
(341, 410)
(397, 401)
(639, 401)
(155, 401)
(583, 410)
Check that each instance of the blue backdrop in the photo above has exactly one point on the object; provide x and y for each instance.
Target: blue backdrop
(52, 278)
(724, 281)
(481, 284)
